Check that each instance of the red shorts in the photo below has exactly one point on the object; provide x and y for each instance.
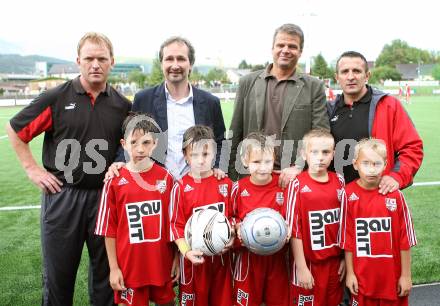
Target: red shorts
(328, 290)
(362, 300)
(207, 284)
(142, 295)
(259, 279)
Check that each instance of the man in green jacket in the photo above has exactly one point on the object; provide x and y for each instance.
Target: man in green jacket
(279, 101)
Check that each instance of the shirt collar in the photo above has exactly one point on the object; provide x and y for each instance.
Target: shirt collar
(267, 75)
(181, 101)
(79, 89)
(366, 98)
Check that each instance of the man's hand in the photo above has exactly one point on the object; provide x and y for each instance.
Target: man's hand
(352, 283)
(219, 174)
(196, 257)
(44, 180)
(117, 280)
(341, 270)
(286, 175)
(388, 184)
(404, 286)
(113, 170)
(305, 278)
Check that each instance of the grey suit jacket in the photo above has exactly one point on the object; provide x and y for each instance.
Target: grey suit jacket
(304, 109)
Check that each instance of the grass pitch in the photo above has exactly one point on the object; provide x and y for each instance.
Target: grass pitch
(20, 253)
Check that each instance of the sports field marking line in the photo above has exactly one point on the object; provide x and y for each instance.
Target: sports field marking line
(435, 183)
(4, 136)
(426, 285)
(20, 207)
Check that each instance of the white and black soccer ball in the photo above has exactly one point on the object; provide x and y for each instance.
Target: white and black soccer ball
(208, 231)
(264, 231)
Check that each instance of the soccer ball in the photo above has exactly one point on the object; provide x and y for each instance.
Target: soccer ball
(263, 231)
(208, 231)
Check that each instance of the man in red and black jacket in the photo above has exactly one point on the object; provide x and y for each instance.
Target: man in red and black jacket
(81, 120)
(362, 112)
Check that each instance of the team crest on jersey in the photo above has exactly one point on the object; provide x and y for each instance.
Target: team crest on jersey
(186, 297)
(339, 193)
(127, 295)
(391, 204)
(242, 297)
(223, 189)
(279, 198)
(305, 300)
(161, 185)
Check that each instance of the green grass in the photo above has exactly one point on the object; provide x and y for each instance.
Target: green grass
(20, 253)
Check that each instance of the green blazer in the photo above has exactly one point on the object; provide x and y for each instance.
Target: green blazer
(304, 109)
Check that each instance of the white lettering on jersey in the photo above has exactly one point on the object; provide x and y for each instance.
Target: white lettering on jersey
(365, 227)
(186, 297)
(219, 206)
(242, 297)
(318, 219)
(136, 212)
(303, 299)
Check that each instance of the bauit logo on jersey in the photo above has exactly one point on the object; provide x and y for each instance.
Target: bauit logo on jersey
(219, 206)
(324, 225)
(242, 297)
(373, 237)
(144, 221)
(187, 299)
(305, 300)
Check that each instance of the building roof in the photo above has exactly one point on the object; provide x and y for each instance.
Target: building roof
(63, 69)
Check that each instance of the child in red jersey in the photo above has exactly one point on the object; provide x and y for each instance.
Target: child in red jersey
(376, 233)
(259, 279)
(312, 212)
(204, 280)
(133, 217)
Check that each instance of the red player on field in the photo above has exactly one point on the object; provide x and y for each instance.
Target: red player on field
(376, 234)
(259, 279)
(313, 210)
(203, 281)
(407, 94)
(133, 217)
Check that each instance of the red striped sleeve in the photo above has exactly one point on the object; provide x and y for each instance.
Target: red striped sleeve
(177, 216)
(292, 208)
(106, 222)
(38, 125)
(342, 235)
(407, 234)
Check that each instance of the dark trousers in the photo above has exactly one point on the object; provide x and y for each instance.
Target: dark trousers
(67, 222)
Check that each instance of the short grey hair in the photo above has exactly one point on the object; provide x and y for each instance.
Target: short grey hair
(178, 39)
(291, 29)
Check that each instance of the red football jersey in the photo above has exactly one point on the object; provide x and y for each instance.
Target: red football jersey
(190, 195)
(313, 213)
(248, 196)
(375, 228)
(134, 210)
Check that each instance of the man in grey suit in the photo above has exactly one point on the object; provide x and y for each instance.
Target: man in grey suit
(279, 101)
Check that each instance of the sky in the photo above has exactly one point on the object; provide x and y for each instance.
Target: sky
(223, 32)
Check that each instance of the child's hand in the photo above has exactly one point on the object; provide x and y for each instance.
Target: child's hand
(230, 243)
(341, 270)
(196, 257)
(404, 285)
(175, 269)
(117, 280)
(237, 230)
(352, 283)
(305, 278)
